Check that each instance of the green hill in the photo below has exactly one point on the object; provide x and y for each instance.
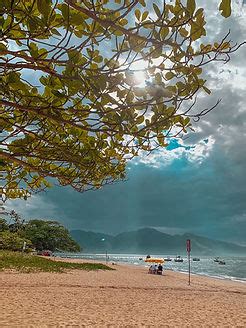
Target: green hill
(151, 241)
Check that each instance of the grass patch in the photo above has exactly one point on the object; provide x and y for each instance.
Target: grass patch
(32, 263)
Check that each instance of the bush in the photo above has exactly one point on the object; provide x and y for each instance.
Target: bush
(12, 241)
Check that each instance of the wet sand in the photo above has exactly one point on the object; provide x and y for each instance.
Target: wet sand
(126, 297)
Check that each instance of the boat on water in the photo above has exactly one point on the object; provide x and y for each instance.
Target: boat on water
(178, 259)
(167, 259)
(216, 259)
(221, 262)
(195, 259)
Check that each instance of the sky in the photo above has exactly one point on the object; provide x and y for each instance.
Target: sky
(195, 185)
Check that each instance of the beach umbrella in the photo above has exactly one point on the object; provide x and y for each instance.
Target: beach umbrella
(154, 260)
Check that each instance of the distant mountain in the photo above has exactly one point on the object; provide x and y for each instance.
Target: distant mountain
(92, 241)
(151, 241)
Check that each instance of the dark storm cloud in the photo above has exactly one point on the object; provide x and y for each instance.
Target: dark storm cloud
(205, 199)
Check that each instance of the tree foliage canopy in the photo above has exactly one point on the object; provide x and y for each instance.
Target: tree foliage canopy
(73, 105)
(12, 241)
(3, 225)
(11, 234)
(43, 235)
(49, 235)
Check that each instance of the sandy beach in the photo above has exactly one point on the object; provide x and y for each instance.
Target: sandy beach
(125, 297)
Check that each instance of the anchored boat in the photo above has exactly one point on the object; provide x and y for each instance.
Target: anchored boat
(221, 262)
(178, 259)
(167, 259)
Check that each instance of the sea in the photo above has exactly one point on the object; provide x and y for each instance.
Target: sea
(234, 268)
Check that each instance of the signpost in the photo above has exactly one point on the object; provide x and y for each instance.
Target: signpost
(188, 248)
(106, 253)
(24, 247)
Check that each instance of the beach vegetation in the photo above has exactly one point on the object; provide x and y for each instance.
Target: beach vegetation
(35, 234)
(49, 235)
(3, 225)
(32, 263)
(13, 241)
(86, 86)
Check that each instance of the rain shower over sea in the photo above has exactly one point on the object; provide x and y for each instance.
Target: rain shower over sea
(234, 268)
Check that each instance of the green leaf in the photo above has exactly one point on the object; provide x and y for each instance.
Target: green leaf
(117, 32)
(225, 8)
(169, 75)
(74, 55)
(123, 22)
(58, 93)
(161, 139)
(140, 119)
(158, 78)
(157, 10)
(44, 7)
(157, 52)
(77, 19)
(43, 80)
(2, 47)
(142, 2)
(56, 32)
(138, 14)
(65, 11)
(145, 15)
(42, 53)
(98, 59)
(13, 77)
(206, 90)
(183, 32)
(33, 49)
(102, 80)
(225, 45)
(164, 31)
(197, 29)
(191, 6)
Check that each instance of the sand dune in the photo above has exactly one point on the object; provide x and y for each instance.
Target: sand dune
(126, 297)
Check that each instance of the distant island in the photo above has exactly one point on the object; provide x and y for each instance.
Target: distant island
(152, 241)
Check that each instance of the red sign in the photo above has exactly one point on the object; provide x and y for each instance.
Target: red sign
(188, 245)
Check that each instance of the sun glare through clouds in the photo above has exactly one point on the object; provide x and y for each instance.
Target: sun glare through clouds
(140, 73)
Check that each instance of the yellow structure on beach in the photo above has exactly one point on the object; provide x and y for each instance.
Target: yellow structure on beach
(154, 260)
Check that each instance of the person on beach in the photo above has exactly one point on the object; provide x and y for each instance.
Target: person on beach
(152, 269)
(159, 269)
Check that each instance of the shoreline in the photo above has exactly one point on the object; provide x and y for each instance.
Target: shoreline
(212, 276)
(135, 266)
(232, 278)
(125, 297)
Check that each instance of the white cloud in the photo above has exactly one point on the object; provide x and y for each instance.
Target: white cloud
(36, 207)
(201, 151)
(163, 157)
(225, 126)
